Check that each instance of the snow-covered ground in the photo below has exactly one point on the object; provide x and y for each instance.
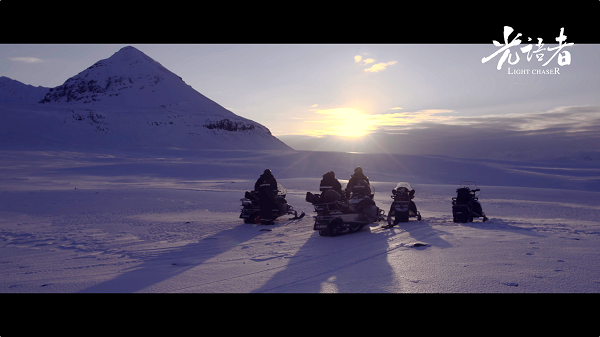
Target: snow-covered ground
(167, 222)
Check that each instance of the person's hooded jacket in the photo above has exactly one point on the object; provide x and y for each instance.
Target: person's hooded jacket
(266, 182)
(330, 182)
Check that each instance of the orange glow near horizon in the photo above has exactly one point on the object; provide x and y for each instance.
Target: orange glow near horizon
(354, 123)
(346, 122)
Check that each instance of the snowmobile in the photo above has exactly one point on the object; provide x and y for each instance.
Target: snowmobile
(402, 207)
(465, 206)
(251, 206)
(337, 215)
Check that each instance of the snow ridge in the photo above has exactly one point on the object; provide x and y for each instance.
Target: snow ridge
(15, 91)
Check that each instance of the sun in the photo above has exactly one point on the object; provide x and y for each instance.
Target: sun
(346, 122)
(353, 123)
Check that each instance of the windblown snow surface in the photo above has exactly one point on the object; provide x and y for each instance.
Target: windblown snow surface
(167, 221)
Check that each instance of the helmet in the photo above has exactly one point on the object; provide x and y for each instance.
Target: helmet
(358, 169)
(267, 172)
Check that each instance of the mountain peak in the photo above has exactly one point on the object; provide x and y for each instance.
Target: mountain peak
(128, 48)
(130, 78)
(131, 56)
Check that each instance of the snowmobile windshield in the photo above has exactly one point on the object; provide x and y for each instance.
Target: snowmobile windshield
(470, 185)
(281, 190)
(403, 184)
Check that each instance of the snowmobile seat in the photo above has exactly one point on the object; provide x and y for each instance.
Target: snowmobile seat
(339, 205)
(330, 196)
(252, 196)
(313, 198)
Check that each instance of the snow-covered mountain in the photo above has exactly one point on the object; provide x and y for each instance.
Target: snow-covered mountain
(127, 100)
(12, 91)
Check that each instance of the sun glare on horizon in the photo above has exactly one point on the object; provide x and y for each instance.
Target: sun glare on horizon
(346, 122)
(355, 123)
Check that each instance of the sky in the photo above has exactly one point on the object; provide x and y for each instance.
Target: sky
(392, 97)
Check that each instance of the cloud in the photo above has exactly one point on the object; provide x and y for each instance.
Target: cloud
(568, 118)
(379, 67)
(368, 61)
(375, 67)
(557, 131)
(392, 122)
(568, 121)
(444, 132)
(25, 59)
(564, 121)
(349, 121)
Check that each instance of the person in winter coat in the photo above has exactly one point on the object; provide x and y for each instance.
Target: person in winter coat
(266, 186)
(358, 175)
(267, 182)
(329, 182)
(331, 189)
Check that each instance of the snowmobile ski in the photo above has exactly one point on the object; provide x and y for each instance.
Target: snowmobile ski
(296, 216)
(383, 228)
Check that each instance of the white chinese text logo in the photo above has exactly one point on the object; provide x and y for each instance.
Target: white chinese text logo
(564, 57)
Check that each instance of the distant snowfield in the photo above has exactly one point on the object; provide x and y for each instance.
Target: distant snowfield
(167, 221)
